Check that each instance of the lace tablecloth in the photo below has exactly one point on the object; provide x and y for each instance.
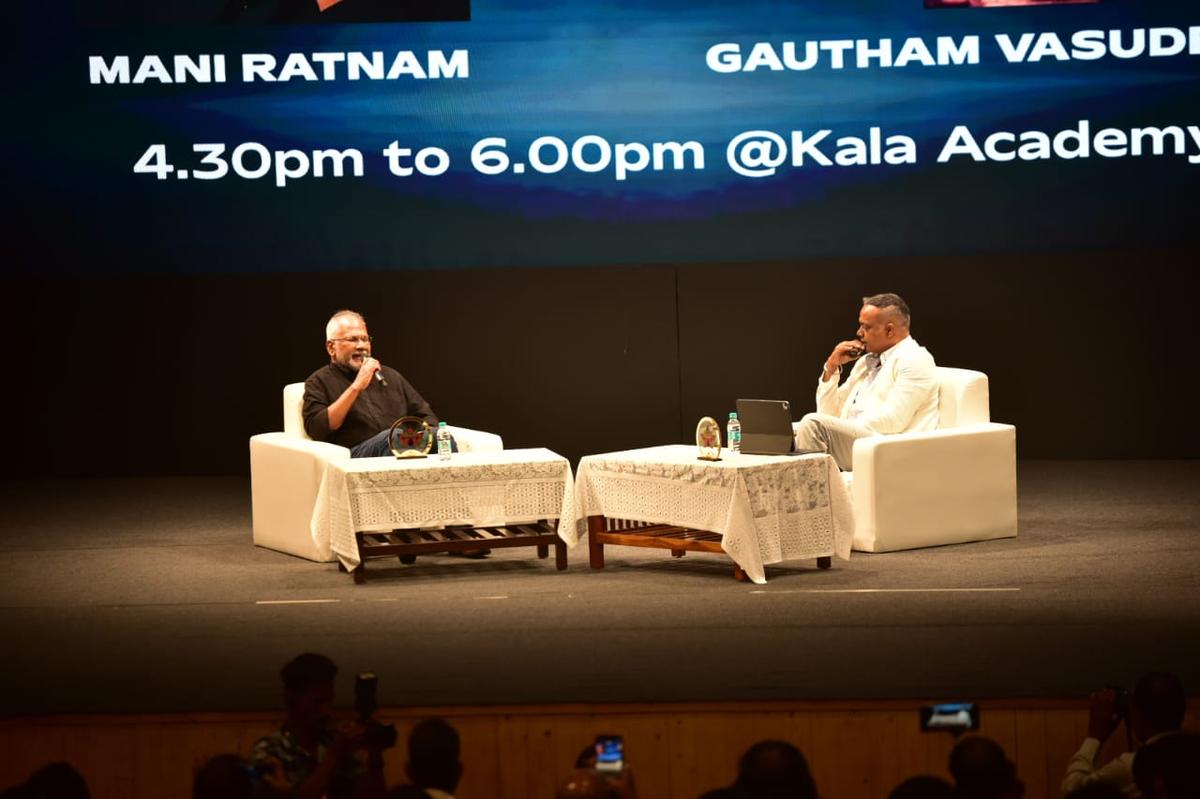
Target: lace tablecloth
(766, 509)
(476, 488)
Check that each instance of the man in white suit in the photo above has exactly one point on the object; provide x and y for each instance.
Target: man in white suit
(893, 389)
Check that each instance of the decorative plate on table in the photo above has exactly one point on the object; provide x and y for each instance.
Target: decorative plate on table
(708, 439)
(410, 437)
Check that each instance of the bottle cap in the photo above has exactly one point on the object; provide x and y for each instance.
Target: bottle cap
(441, 424)
(732, 414)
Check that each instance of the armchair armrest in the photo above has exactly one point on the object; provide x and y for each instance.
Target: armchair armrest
(285, 475)
(475, 440)
(937, 487)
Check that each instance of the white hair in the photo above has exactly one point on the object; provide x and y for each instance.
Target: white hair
(331, 327)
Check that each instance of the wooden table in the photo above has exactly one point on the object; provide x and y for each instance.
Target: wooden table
(756, 509)
(370, 508)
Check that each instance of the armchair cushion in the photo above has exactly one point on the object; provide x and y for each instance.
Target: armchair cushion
(285, 475)
(936, 487)
(293, 410)
(962, 397)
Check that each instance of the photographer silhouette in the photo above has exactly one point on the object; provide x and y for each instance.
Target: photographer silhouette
(1155, 707)
(314, 755)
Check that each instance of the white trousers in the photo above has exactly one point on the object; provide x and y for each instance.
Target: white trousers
(821, 432)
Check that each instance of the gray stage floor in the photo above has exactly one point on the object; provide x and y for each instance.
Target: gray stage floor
(147, 595)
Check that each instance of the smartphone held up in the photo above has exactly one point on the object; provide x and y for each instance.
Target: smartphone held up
(610, 754)
(955, 717)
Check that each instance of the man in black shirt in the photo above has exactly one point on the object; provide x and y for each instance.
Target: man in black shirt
(353, 400)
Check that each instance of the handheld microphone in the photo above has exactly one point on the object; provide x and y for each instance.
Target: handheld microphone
(378, 372)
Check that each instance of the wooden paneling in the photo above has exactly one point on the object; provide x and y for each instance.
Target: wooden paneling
(855, 749)
(1028, 751)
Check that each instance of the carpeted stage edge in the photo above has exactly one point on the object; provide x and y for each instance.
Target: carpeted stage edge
(146, 596)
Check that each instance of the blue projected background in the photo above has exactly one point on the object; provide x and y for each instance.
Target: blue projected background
(577, 89)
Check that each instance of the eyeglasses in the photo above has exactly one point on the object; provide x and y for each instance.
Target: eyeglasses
(355, 339)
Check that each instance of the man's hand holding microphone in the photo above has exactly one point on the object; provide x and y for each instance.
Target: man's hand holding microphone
(368, 371)
(843, 353)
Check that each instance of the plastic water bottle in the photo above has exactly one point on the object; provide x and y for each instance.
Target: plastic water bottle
(733, 435)
(443, 441)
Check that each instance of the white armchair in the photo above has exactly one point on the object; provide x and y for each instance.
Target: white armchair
(286, 470)
(946, 486)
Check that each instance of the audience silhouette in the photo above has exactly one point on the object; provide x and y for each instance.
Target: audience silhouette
(53, 781)
(1155, 708)
(313, 757)
(1166, 768)
(924, 786)
(770, 770)
(433, 767)
(981, 770)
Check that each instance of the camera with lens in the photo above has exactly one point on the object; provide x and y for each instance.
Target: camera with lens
(366, 702)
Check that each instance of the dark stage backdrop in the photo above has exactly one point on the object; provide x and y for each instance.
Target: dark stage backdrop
(633, 213)
(1088, 354)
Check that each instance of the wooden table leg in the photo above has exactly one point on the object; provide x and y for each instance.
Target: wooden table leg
(678, 553)
(825, 562)
(560, 555)
(739, 574)
(408, 560)
(595, 548)
(360, 574)
(543, 551)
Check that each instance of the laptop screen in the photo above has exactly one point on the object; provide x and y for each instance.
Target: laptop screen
(766, 426)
